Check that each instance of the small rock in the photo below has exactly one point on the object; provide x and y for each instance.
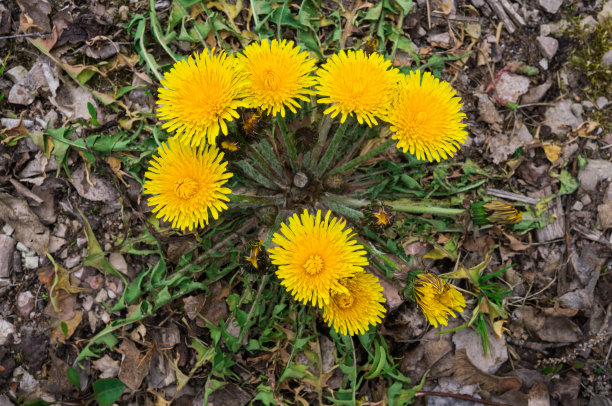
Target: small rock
(550, 6)
(55, 243)
(93, 187)
(548, 46)
(606, 59)
(502, 146)
(560, 117)
(21, 94)
(577, 109)
(16, 73)
(22, 248)
(606, 11)
(496, 356)
(588, 105)
(588, 24)
(577, 206)
(486, 109)
(554, 29)
(101, 296)
(586, 200)
(7, 247)
(543, 63)
(31, 262)
(6, 330)
(478, 3)
(604, 213)
(27, 383)
(510, 87)
(595, 171)
(7, 229)
(601, 102)
(72, 261)
(535, 94)
(442, 40)
(25, 303)
(608, 194)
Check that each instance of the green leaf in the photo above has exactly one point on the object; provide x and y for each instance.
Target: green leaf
(108, 390)
(405, 5)
(39, 402)
(73, 377)
(64, 328)
(93, 113)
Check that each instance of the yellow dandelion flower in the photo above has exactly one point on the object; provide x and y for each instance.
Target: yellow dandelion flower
(437, 299)
(186, 183)
(426, 118)
(357, 83)
(353, 312)
(278, 75)
(495, 212)
(314, 254)
(199, 95)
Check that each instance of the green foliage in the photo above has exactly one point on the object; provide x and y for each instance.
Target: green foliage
(108, 391)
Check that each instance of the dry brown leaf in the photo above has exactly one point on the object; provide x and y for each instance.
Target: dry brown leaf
(515, 244)
(467, 373)
(28, 228)
(538, 395)
(57, 332)
(134, 366)
(14, 132)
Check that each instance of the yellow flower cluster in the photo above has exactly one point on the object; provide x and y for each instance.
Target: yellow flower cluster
(321, 264)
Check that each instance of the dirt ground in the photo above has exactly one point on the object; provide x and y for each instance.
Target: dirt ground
(78, 127)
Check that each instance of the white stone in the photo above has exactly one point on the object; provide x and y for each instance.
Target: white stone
(550, 6)
(606, 11)
(543, 63)
(510, 87)
(548, 46)
(607, 58)
(31, 262)
(6, 329)
(27, 383)
(601, 102)
(22, 248)
(8, 230)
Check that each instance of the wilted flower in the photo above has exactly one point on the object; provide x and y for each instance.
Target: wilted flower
(495, 212)
(353, 312)
(437, 299)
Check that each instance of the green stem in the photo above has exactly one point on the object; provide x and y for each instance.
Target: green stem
(249, 201)
(291, 151)
(331, 149)
(323, 132)
(398, 30)
(417, 207)
(359, 160)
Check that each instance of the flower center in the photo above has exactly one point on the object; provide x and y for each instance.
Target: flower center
(345, 301)
(271, 80)
(185, 188)
(313, 265)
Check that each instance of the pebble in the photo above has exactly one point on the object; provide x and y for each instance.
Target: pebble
(560, 116)
(604, 213)
(101, 296)
(606, 11)
(25, 303)
(535, 94)
(577, 206)
(550, 6)
(72, 261)
(588, 24)
(6, 330)
(8, 230)
(442, 40)
(586, 200)
(548, 46)
(595, 171)
(22, 248)
(27, 383)
(16, 73)
(7, 247)
(510, 87)
(554, 29)
(31, 262)
(588, 105)
(606, 59)
(543, 63)
(576, 108)
(601, 102)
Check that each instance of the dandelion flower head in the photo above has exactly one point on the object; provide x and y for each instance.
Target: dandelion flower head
(437, 299)
(314, 254)
(278, 75)
(426, 117)
(187, 183)
(357, 83)
(199, 95)
(353, 312)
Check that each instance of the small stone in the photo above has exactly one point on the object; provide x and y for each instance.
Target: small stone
(478, 3)
(81, 242)
(560, 117)
(606, 59)
(577, 109)
(550, 6)
(31, 262)
(543, 63)
(16, 73)
(554, 29)
(22, 248)
(111, 294)
(548, 46)
(6, 330)
(510, 87)
(586, 200)
(604, 213)
(25, 303)
(588, 105)
(535, 94)
(577, 206)
(595, 171)
(7, 247)
(72, 261)
(442, 40)
(55, 244)
(606, 11)
(27, 383)
(601, 102)
(101, 296)
(588, 24)
(61, 230)
(300, 180)
(7, 229)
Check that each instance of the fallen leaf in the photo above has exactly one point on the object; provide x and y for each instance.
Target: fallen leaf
(552, 151)
(134, 366)
(469, 374)
(58, 335)
(28, 228)
(108, 367)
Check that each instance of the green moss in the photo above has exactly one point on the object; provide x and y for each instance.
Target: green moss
(589, 48)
